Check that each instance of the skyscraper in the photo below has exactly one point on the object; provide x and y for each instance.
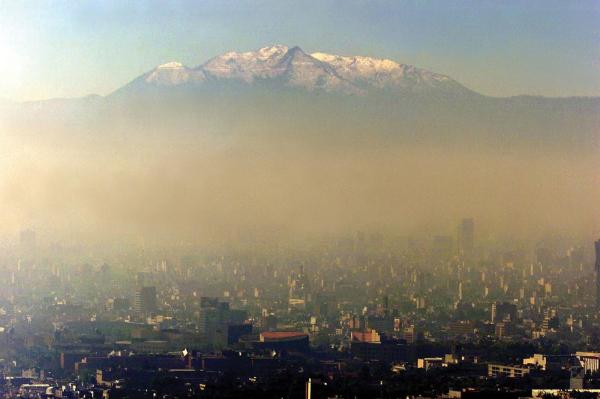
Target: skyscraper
(145, 300)
(597, 246)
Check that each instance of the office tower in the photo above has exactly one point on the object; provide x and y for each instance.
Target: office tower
(597, 246)
(215, 318)
(466, 236)
(145, 300)
(213, 314)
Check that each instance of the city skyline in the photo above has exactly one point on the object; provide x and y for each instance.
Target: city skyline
(300, 199)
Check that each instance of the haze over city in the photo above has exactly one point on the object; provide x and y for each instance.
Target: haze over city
(316, 199)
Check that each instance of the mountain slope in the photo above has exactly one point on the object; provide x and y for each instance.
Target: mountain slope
(383, 74)
(285, 89)
(285, 67)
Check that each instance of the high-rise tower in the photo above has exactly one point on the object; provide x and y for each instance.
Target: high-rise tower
(144, 300)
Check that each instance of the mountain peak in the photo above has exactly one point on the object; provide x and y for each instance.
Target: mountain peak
(172, 74)
(247, 66)
(296, 49)
(296, 55)
(292, 67)
(171, 65)
(269, 51)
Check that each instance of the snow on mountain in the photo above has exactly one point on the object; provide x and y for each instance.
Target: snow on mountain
(248, 66)
(302, 70)
(380, 73)
(173, 74)
(292, 67)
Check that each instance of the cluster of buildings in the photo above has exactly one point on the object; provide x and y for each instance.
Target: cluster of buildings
(365, 316)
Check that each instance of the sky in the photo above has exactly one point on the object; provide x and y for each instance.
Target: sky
(54, 49)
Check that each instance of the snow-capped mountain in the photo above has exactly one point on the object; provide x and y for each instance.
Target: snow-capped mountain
(382, 73)
(292, 67)
(167, 75)
(173, 73)
(248, 66)
(247, 91)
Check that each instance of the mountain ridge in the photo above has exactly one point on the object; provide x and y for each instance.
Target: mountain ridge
(294, 68)
(342, 74)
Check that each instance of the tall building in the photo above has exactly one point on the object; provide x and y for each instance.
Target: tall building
(597, 246)
(466, 236)
(145, 300)
(502, 311)
(215, 318)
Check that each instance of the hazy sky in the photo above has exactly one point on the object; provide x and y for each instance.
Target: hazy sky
(70, 48)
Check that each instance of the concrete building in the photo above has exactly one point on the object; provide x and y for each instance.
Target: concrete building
(589, 360)
(498, 370)
(144, 301)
